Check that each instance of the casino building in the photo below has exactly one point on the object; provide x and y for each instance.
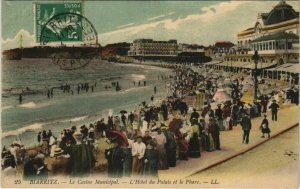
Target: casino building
(275, 35)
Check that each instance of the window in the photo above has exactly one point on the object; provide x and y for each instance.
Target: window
(260, 47)
(289, 45)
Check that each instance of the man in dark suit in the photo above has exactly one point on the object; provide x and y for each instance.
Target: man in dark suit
(274, 109)
(195, 114)
(246, 126)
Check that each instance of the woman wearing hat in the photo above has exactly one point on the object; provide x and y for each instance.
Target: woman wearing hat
(115, 156)
(183, 145)
(194, 145)
(9, 164)
(265, 127)
(151, 160)
(81, 157)
(29, 167)
(171, 148)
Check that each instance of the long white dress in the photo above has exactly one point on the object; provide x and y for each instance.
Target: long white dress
(144, 127)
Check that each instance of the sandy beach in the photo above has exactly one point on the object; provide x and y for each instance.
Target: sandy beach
(271, 165)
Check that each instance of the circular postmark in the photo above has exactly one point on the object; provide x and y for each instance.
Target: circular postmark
(76, 31)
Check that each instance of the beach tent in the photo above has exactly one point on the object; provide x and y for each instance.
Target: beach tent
(248, 80)
(247, 87)
(221, 96)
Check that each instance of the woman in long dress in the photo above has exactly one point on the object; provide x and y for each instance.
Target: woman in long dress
(265, 127)
(151, 160)
(211, 128)
(128, 159)
(194, 145)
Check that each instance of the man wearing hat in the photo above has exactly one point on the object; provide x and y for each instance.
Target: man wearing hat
(130, 118)
(219, 116)
(164, 109)
(161, 141)
(274, 109)
(138, 151)
(246, 126)
(234, 113)
(195, 114)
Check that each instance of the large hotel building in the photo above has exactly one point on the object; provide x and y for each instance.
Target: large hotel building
(149, 47)
(275, 36)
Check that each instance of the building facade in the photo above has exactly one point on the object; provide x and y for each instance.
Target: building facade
(149, 47)
(182, 47)
(221, 48)
(275, 36)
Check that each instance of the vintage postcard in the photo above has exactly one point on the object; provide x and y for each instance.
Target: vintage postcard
(149, 94)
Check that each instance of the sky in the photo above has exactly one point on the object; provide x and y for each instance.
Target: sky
(194, 22)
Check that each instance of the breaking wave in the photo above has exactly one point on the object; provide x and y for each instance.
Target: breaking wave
(33, 127)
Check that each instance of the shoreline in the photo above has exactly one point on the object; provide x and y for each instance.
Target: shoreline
(10, 137)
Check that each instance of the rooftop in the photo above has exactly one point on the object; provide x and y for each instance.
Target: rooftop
(153, 41)
(281, 12)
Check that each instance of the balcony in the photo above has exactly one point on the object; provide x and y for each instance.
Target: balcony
(288, 51)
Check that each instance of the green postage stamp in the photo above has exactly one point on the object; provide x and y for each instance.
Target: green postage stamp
(44, 11)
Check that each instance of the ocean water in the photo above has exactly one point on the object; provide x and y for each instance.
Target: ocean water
(37, 112)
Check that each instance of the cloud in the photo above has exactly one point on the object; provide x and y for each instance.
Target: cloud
(156, 17)
(221, 21)
(125, 25)
(181, 28)
(208, 14)
(28, 40)
(126, 34)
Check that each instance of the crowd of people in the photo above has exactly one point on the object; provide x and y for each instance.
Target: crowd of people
(155, 136)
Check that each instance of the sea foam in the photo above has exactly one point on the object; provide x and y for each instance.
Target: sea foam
(33, 127)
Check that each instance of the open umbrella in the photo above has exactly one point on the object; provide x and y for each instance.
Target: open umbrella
(123, 111)
(117, 136)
